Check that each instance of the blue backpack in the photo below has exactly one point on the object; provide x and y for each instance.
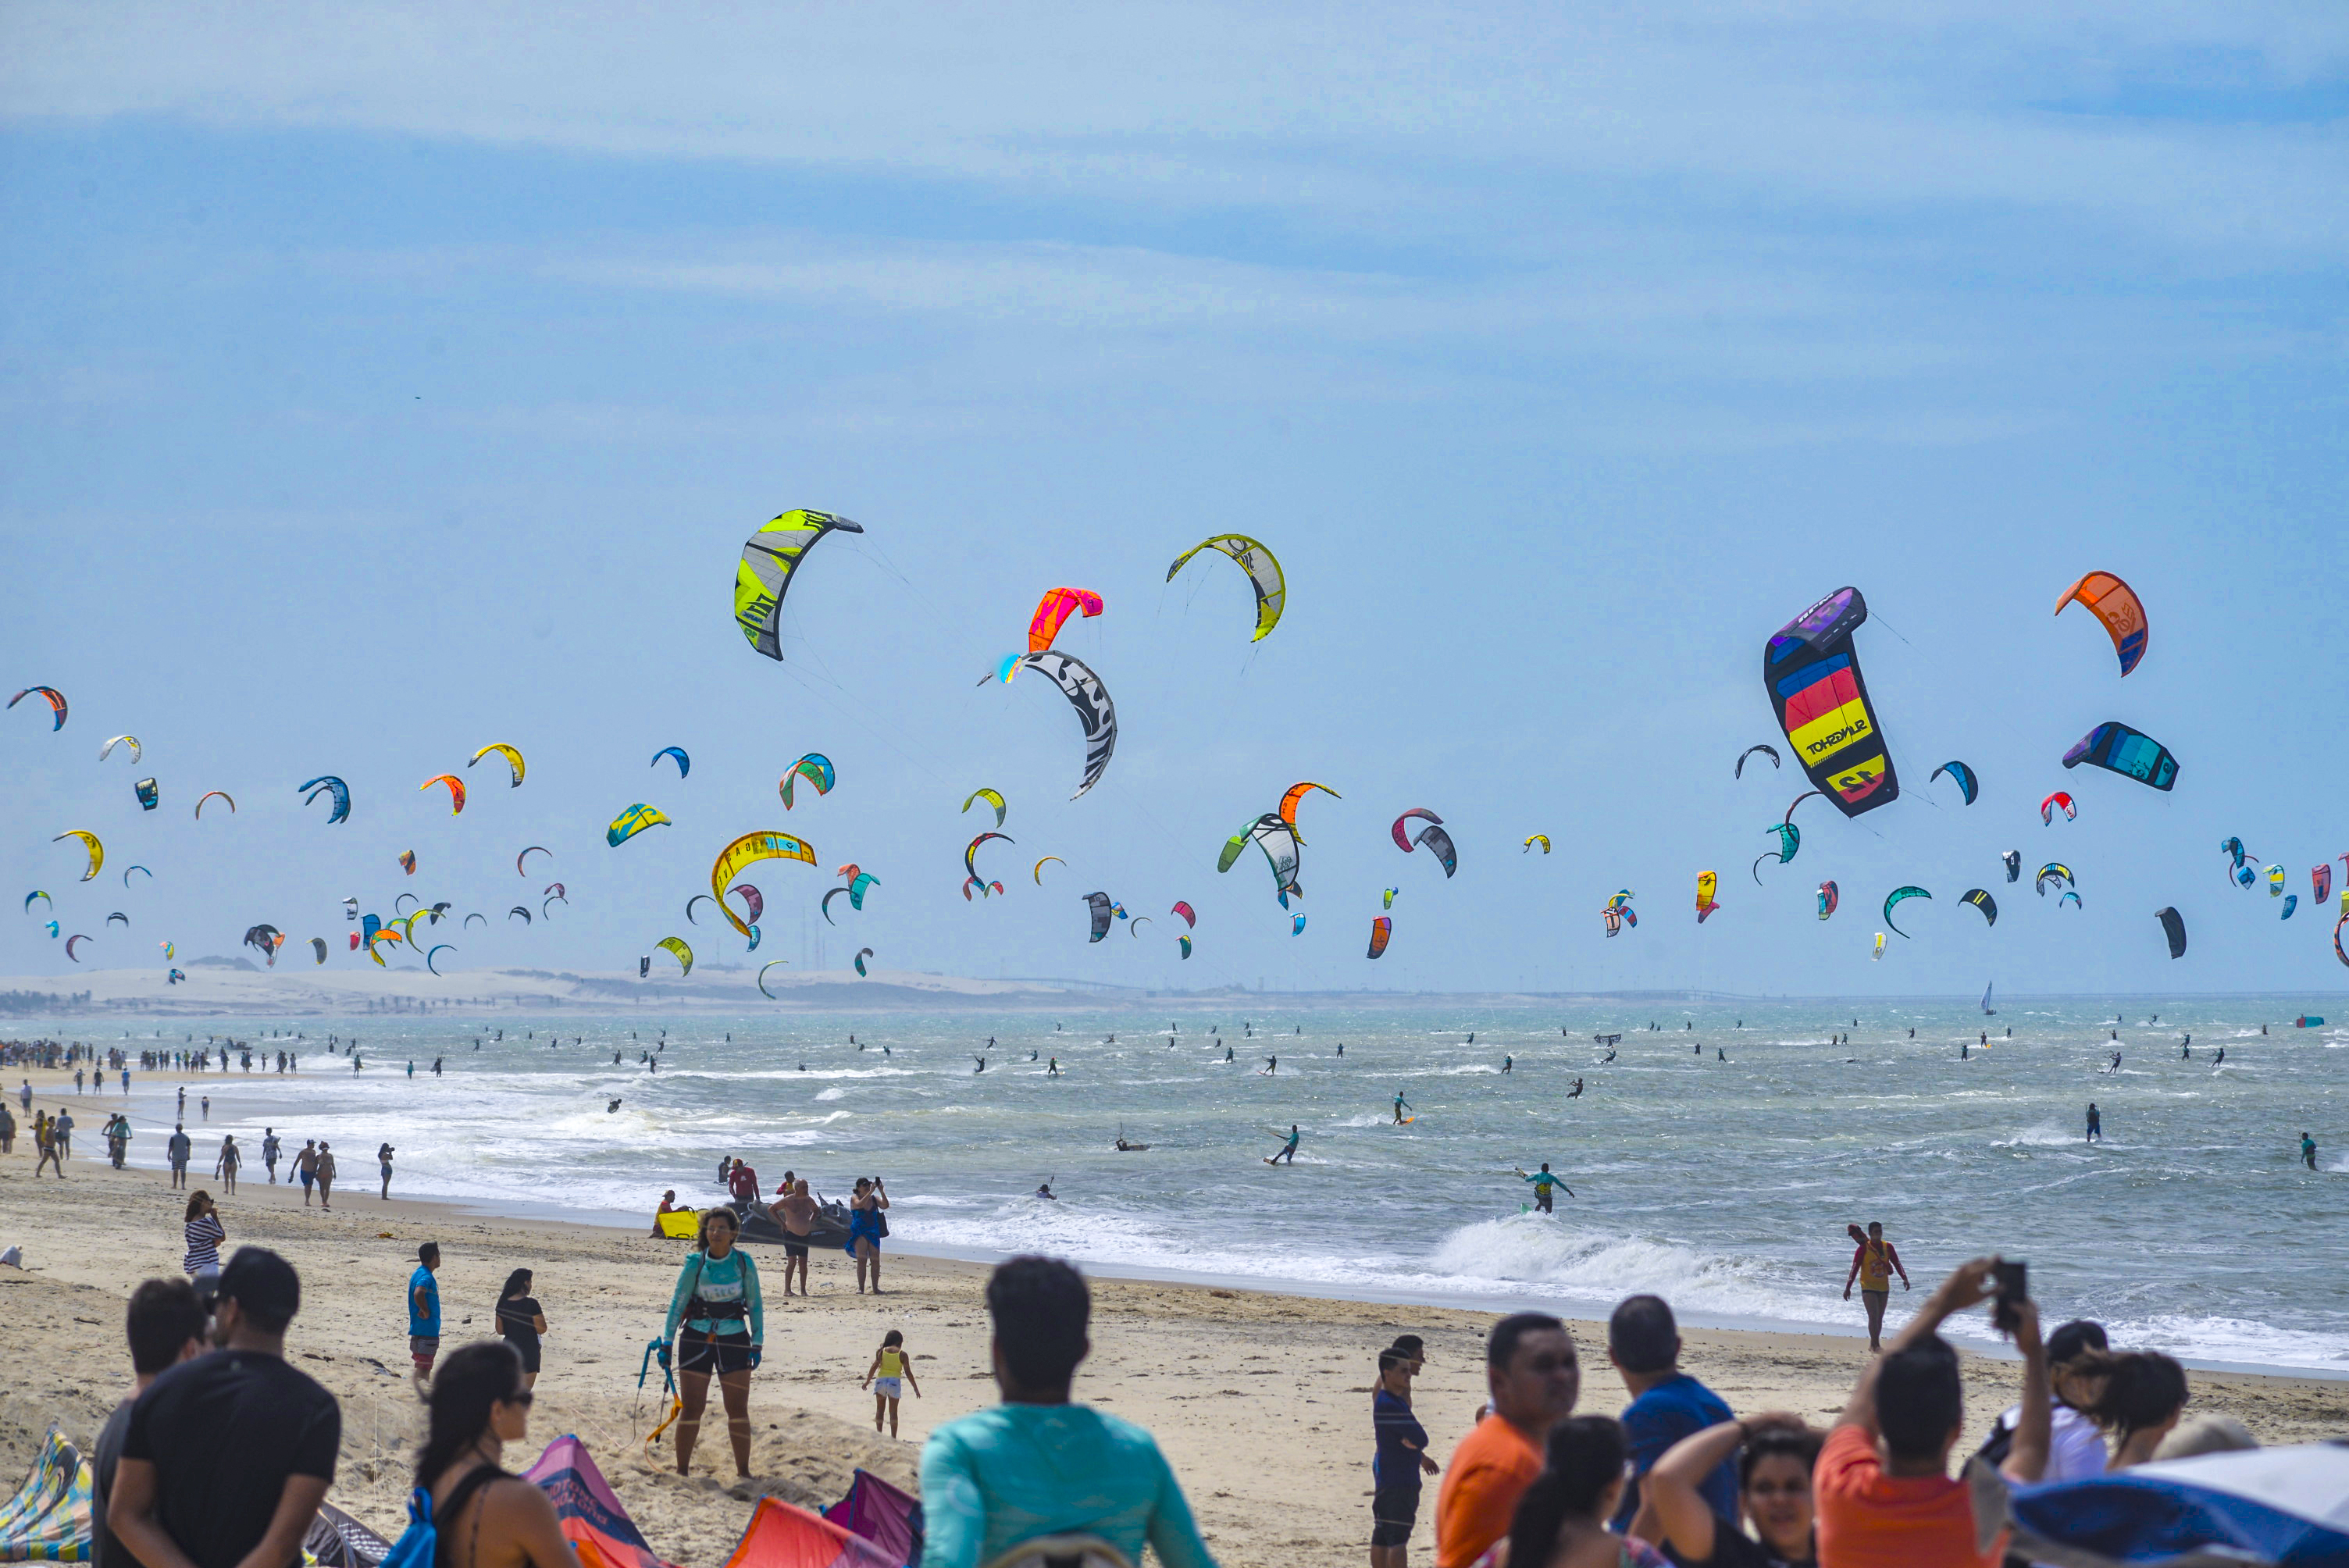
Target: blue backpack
(418, 1545)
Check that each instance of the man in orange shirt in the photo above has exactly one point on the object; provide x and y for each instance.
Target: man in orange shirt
(1532, 1371)
(1881, 1487)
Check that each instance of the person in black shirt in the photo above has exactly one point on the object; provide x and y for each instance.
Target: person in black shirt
(228, 1455)
(521, 1322)
(1773, 1491)
(166, 1327)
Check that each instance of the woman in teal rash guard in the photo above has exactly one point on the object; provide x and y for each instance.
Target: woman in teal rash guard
(715, 1325)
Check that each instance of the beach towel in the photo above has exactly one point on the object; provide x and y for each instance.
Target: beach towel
(593, 1521)
(49, 1519)
(890, 1519)
(782, 1536)
(2287, 1506)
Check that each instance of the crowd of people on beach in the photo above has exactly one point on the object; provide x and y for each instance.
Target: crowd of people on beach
(223, 1451)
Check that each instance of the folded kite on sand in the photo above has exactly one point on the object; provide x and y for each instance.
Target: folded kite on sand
(782, 1536)
(49, 1519)
(593, 1521)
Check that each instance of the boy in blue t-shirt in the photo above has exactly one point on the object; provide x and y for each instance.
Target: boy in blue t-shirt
(1401, 1456)
(424, 1316)
(1643, 1341)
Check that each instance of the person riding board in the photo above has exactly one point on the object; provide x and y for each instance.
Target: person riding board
(1542, 1182)
(1401, 1105)
(1288, 1150)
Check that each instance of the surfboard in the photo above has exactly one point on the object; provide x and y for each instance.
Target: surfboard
(1406, 1121)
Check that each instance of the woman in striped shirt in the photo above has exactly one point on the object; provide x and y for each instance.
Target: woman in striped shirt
(204, 1233)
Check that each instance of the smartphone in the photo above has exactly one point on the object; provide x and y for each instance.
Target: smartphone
(2011, 1282)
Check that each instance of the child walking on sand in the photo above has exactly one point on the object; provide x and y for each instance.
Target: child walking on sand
(891, 1370)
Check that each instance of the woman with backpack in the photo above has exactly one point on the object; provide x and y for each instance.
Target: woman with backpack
(717, 1326)
(467, 1511)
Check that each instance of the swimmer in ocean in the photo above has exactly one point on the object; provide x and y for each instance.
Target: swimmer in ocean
(1401, 1106)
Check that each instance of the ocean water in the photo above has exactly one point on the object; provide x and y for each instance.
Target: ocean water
(1723, 1186)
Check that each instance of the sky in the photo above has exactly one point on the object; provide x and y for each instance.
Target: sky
(382, 381)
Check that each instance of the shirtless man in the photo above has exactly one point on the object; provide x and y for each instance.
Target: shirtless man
(797, 1210)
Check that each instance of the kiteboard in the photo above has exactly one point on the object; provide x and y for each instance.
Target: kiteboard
(1406, 1121)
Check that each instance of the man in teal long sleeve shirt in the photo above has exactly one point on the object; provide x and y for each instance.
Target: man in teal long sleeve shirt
(1037, 1465)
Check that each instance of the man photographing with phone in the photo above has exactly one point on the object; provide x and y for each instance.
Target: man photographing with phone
(1883, 1491)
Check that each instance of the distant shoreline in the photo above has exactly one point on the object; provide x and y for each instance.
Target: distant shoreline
(236, 989)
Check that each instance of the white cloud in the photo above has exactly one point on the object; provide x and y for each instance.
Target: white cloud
(1403, 119)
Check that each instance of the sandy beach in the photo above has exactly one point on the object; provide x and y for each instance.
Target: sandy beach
(1258, 1399)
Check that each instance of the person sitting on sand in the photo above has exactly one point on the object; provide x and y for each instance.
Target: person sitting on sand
(667, 1206)
(1038, 1465)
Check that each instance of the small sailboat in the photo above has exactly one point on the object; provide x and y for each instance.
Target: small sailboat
(1988, 1010)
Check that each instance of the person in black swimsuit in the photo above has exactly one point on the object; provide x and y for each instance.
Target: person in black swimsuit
(521, 1322)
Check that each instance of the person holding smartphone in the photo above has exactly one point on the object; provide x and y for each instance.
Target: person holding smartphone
(1883, 1490)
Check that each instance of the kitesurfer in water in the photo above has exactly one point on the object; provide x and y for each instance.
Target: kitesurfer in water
(2221, 1061)
(1227, 1052)
(2115, 1064)
(1577, 1092)
(2308, 1150)
(1288, 1150)
(1507, 1062)
(1542, 1182)
(1272, 1064)
(1401, 1105)
(2095, 1124)
(982, 1068)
